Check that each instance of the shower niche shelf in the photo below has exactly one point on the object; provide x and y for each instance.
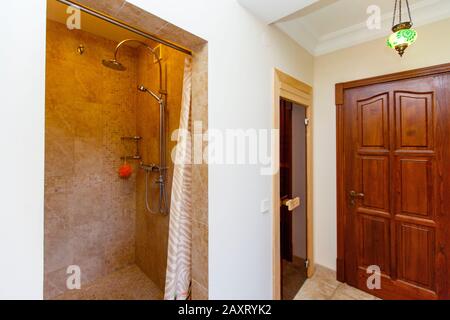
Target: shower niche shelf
(136, 156)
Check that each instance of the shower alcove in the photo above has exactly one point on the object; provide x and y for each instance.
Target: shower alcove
(93, 219)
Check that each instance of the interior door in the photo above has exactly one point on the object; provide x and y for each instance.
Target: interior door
(293, 195)
(397, 184)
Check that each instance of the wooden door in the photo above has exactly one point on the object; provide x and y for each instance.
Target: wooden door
(396, 186)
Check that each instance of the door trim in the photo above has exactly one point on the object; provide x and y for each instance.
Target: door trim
(340, 151)
(291, 89)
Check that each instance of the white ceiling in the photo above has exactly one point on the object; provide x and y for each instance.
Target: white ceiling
(273, 10)
(325, 26)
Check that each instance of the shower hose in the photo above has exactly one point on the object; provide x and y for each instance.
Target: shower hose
(162, 193)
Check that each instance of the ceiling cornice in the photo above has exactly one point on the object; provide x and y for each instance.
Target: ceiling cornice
(271, 11)
(424, 12)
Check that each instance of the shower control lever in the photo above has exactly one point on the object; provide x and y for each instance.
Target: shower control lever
(149, 167)
(152, 167)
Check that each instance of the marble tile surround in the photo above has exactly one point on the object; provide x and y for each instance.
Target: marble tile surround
(135, 16)
(89, 211)
(200, 231)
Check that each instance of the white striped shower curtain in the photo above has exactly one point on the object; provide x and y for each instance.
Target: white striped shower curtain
(178, 275)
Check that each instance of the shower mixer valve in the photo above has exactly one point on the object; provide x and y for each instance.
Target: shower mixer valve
(152, 167)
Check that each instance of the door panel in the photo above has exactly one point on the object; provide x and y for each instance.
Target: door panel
(373, 116)
(375, 182)
(414, 120)
(375, 242)
(415, 187)
(416, 255)
(397, 164)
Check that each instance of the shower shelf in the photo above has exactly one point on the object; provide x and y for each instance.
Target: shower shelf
(137, 156)
(135, 138)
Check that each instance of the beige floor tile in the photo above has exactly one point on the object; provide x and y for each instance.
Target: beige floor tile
(316, 290)
(127, 284)
(324, 286)
(345, 292)
(327, 275)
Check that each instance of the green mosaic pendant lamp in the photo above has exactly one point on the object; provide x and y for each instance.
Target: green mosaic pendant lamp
(403, 35)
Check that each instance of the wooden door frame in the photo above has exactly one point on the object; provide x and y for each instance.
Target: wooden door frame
(293, 90)
(340, 146)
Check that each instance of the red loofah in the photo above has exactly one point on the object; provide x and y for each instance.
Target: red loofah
(125, 171)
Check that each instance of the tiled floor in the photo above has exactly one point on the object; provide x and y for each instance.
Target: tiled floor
(324, 286)
(126, 284)
(132, 284)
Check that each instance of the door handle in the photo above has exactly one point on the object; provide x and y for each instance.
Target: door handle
(292, 204)
(355, 195)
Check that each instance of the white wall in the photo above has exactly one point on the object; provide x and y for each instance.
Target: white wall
(242, 53)
(366, 60)
(22, 65)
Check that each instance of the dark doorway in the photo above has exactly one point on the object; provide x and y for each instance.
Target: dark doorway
(293, 195)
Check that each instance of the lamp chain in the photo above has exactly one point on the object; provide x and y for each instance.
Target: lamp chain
(395, 11)
(409, 11)
(398, 5)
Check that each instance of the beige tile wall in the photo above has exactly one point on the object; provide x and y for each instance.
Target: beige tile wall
(200, 178)
(89, 211)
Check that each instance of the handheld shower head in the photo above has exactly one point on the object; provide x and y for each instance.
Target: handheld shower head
(144, 89)
(114, 64)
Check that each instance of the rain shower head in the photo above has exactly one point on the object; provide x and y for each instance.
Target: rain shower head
(114, 64)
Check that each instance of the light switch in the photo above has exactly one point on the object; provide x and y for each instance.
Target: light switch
(265, 206)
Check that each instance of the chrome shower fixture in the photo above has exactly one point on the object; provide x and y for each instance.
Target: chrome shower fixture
(114, 64)
(154, 95)
(161, 169)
